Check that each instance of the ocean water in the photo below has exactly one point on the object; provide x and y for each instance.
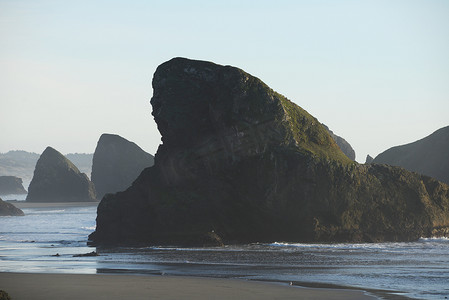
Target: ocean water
(46, 240)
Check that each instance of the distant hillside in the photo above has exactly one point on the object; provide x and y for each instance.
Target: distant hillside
(18, 163)
(428, 156)
(21, 164)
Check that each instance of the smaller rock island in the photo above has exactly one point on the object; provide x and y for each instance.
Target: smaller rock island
(57, 179)
(116, 163)
(11, 185)
(7, 209)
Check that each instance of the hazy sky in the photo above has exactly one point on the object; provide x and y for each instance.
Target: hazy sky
(376, 72)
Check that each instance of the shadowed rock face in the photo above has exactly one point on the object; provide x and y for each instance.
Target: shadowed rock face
(56, 179)
(7, 209)
(240, 163)
(11, 185)
(343, 144)
(428, 156)
(116, 164)
(368, 159)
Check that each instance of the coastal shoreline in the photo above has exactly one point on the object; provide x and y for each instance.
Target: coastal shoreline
(26, 204)
(112, 286)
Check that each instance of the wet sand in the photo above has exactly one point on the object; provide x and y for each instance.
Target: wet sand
(25, 286)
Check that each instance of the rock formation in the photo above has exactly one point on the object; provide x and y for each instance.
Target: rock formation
(240, 163)
(116, 164)
(56, 179)
(11, 185)
(369, 159)
(342, 143)
(22, 163)
(18, 163)
(428, 156)
(7, 209)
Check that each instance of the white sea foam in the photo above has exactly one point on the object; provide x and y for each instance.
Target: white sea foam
(89, 227)
(18, 197)
(40, 212)
(434, 239)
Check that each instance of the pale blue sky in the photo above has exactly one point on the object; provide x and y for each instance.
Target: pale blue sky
(376, 72)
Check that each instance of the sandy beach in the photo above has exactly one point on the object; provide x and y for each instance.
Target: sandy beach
(26, 286)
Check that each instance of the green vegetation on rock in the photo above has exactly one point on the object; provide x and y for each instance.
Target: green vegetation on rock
(240, 163)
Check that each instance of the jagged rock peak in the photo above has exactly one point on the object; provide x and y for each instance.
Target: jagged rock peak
(116, 163)
(369, 159)
(57, 179)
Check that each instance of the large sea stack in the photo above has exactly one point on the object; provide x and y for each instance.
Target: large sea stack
(428, 156)
(11, 185)
(117, 162)
(57, 179)
(7, 209)
(240, 163)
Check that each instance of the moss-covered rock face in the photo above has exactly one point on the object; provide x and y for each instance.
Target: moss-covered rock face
(57, 179)
(241, 163)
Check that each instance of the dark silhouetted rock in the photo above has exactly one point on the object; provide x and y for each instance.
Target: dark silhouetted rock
(57, 179)
(7, 209)
(22, 163)
(93, 253)
(116, 164)
(428, 156)
(369, 159)
(11, 185)
(240, 163)
(342, 143)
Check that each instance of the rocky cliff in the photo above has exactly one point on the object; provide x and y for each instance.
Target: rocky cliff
(57, 179)
(117, 162)
(342, 143)
(11, 185)
(7, 209)
(428, 156)
(240, 163)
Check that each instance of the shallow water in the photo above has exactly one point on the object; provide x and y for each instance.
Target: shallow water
(30, 243)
